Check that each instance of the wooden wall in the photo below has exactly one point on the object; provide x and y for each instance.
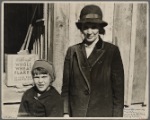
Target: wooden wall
(127, 28)
(140, 60)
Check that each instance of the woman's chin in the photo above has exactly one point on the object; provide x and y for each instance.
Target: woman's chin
(90, 39)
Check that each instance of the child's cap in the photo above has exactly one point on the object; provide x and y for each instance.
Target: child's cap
(46, 65)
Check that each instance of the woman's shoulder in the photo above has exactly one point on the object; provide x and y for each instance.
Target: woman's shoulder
(110, 45)
(73, 48)
(76, 45)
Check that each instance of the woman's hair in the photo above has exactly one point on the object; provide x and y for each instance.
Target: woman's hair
(101, 30)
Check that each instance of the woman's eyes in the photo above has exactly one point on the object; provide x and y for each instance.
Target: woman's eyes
(92, 27)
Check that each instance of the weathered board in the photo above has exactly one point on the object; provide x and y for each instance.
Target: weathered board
(126, 29)
(60, 40)
(140, 62)
(122, 37)
(50, 32)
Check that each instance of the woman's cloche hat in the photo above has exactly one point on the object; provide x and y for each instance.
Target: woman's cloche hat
(92, 14)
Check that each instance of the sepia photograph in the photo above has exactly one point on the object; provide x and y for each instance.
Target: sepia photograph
(79, 59)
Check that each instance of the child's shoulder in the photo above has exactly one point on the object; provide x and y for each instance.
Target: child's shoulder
(54, 96)
(54, 91)
(30, 91)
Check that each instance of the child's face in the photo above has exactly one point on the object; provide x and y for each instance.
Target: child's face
(42, 81)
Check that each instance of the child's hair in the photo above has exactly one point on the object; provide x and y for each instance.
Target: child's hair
(38, 71)
(43, 67)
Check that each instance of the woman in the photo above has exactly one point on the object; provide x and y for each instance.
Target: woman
(93, 80)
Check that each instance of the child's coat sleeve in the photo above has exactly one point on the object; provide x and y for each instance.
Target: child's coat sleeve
(23, 109)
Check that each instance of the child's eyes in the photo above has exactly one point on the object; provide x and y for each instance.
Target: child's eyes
(35, 77)
(41, 76)
(44, 76)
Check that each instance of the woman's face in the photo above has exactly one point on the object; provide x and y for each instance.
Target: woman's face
(90, 31)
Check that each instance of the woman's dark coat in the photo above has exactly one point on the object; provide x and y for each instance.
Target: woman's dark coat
(49, 104)
(93, 87)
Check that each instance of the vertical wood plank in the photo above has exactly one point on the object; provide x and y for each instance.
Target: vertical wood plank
(146, 88)
(108, 14)
(122, 36)
(60, 43)
(45, 49)
(35, 46)
(41, 46)
(38, 47)
(75, 35)
(140, 67)
(50, 24)
(132, 55)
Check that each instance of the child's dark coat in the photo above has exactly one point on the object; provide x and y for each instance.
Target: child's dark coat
(49, 104)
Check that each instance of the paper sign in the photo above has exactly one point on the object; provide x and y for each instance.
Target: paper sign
(18, 69)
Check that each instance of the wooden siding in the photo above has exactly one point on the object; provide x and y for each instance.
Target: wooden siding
(140, 62)
(60, 39)
(122, 36)
(126, 28)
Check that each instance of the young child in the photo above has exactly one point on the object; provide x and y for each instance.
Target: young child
(42, 100)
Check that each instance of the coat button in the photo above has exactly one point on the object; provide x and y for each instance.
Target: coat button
(86, 92)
